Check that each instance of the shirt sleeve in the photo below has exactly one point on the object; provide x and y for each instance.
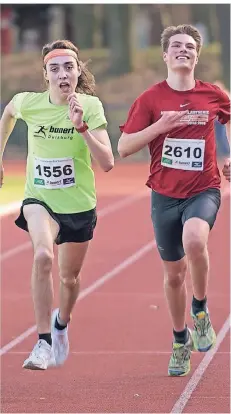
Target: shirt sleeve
(139, 116)
(95, 116)
(19, 104)
(224, 110)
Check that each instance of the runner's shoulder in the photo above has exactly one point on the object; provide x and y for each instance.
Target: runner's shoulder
(88, 101)
(211, 87)
(152, 91)
(28, 98)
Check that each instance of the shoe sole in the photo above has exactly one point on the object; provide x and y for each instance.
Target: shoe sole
(204, 349)
(175, 374)
(172, 373)
(33, 367)
(183, 374)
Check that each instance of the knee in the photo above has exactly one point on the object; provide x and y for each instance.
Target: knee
(193, 245)
(43, 259)
(176, 277)
(70, 279)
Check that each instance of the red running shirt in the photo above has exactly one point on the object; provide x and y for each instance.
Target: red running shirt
(205, 102)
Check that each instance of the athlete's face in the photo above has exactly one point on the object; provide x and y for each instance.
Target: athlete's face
(182, 53)
(62, 73)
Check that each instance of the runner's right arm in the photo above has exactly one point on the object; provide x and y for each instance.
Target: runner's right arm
(7, 124)
(130, 143)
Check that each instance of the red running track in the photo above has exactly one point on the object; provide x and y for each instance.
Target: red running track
(121, 333)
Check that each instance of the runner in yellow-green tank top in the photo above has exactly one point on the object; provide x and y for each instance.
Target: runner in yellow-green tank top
(59, 169)
(66, 127)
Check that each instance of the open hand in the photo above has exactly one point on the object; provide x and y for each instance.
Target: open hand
(171, 120)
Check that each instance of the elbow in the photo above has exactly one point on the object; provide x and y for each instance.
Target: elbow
(108, 167)
(123, 154)
(122, 151)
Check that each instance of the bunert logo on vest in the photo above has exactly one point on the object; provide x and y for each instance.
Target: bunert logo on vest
(52, 132)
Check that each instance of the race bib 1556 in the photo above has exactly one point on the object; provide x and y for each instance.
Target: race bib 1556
(54, 173)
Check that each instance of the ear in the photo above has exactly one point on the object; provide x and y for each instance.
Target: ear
(79, 71)
(165, 56)
(197, 58)
(45, 74)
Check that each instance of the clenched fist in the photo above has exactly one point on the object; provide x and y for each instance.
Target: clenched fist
(1, 175)
(226, 169)
(75, 110)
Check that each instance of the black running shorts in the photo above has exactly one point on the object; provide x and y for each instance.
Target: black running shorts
(169, 215)
(76, 227)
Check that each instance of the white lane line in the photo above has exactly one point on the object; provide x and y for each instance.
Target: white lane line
(122, 203)
(13, 207)
(105, 278)
(10, 208)
(15, 250)
(198, 374)
(101, 213)
(17, 340)
(126, 201)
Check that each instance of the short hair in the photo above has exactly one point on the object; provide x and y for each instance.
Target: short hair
(181, 29)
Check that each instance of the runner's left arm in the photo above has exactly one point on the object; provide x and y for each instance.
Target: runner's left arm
(224, 118)
(100, 148)
(96, 136)
(224, 110)
(228, 131)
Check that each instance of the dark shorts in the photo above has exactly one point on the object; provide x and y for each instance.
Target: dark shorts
(76, 227)
(169, 215)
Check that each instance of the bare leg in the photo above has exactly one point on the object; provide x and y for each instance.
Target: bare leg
(175, 291)
(43, 230)
(195, 238)
(71, 258)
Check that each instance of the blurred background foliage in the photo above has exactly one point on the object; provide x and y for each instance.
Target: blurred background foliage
(122, 43)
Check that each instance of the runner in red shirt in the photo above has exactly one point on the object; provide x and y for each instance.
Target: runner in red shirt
(176, 119)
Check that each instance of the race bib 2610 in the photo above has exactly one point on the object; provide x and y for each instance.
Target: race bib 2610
(183, 154)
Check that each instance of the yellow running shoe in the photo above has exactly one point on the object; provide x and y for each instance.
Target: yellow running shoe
(179, 364)
(204, 336)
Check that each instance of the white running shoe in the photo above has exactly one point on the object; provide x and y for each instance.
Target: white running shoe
(40, 357)
(60, 342)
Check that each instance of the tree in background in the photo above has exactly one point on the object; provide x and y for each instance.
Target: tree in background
(82, 22)
(119, 36)
(223, 15)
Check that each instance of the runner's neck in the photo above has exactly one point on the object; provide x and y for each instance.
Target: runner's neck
(181, 82)
(57, 100)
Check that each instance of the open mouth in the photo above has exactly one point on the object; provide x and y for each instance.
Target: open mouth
(182, 57)
(64, 86)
